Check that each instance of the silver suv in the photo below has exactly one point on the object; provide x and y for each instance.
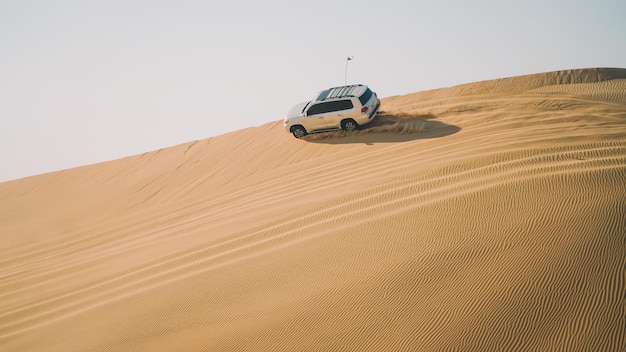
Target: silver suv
(346, 108)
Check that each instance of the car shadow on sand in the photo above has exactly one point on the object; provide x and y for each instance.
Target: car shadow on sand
(389, 128)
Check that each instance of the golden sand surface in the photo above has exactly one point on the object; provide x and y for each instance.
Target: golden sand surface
(489, 216)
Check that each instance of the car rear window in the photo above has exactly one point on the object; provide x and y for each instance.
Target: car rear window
(366, 96)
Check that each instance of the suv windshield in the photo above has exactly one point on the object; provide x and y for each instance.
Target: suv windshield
(323, 95)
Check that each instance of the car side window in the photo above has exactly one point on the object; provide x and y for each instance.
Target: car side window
(317, 109)
(342, 105)
(330, 106)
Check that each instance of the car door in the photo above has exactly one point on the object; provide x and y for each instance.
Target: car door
(338, 110)
(315, 116)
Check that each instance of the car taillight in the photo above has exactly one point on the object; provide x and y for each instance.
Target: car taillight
(364, 109)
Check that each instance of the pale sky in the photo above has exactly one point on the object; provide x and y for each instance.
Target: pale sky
(89, 81)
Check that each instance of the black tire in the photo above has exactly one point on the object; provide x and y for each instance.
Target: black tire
(298, 131)
(349, 125)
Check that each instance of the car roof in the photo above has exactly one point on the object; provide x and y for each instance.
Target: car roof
(354, 90)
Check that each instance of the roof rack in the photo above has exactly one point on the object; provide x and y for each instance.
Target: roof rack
(343, 91)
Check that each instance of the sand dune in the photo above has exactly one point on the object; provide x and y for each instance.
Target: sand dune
(484, 217)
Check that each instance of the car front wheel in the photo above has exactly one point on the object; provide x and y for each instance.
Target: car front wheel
(298, 131)
(349, 125)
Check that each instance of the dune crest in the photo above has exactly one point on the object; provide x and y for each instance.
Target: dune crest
(487, 216)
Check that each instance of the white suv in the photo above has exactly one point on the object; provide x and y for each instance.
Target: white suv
(345, 107)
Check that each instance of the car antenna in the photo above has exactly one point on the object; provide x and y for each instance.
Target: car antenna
(345, 78)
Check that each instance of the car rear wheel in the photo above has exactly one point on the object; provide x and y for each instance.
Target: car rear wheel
(298, 131)
(349, 125)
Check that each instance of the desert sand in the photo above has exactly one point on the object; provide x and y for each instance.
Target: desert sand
(489, 216)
